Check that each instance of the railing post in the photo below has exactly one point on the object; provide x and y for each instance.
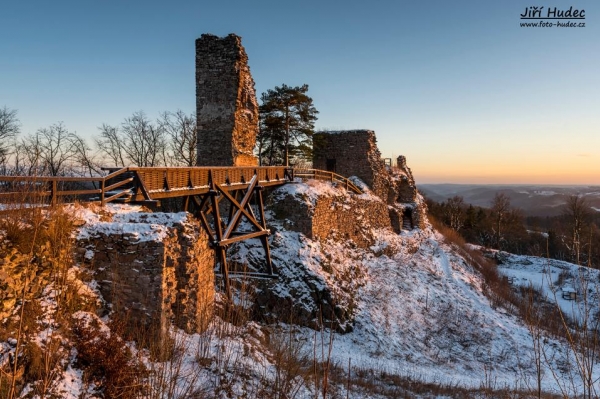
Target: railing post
(102, 186)
(53, 198)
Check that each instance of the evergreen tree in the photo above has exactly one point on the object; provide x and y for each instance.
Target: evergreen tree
(287, 117)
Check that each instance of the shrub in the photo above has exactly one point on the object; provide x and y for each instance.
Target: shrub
(105, 358)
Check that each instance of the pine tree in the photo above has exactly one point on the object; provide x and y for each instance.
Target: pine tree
(287, 117)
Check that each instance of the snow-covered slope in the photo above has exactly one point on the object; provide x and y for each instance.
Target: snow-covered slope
(418, 307)
(412, 306)
(574, 288)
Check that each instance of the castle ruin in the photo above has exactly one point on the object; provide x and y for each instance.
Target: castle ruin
(226, 106)
(355, 153)
(351, 153)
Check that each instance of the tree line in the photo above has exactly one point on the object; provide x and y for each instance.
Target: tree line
(286, 126)
(573, 236)
(57, 151)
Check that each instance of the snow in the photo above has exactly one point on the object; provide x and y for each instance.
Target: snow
(127, 220)
(71, 383)
(419, 311)
(554, 276)
(308, 191)
(419, 307)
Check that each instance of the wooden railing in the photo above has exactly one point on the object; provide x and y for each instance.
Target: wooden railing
(151, 184)
(319, 174)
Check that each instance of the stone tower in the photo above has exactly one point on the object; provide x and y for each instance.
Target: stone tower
(352, 153)
(226, 105)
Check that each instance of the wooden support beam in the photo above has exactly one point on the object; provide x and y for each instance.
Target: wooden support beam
(142, 186)
(240, 209)
(220, 250)
(244, 236)
(117, 195)
(264, 240)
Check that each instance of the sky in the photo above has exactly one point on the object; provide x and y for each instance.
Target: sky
(459, 88)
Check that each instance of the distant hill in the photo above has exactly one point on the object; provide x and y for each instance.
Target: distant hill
(534, 200)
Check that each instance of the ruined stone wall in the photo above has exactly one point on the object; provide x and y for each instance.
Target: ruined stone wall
(226, 105)
(355, 153)
(404, 182)
(155, 282)
(342, 217)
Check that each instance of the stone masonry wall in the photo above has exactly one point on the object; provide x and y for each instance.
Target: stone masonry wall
(355, 153)
(343, 217)
(226, 105)
(153, 282)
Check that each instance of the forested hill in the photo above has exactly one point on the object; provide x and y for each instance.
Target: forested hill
(533, 200)
(572, 234)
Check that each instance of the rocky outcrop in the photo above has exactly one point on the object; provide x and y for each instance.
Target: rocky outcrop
(226, 105)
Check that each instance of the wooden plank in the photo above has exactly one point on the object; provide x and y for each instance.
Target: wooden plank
(142, 187)
(153, 178)
(264, 241)
(26, 194)
(118, 195)
(219, 176)
(34, 179)
(116, 173)
(79, 192)
(243, 237)
(199, 177)
(118, 184)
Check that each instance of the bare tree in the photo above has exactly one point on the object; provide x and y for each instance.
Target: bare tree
(50, 151)
(577, 211)
(84, 158)
(454, 212)
(500, 209)
(181, 131)
(110, 143)
(26, 157)
(144, 143)
(57, 148)
(9, 128)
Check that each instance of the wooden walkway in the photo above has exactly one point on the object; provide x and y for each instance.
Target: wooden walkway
(220, 197)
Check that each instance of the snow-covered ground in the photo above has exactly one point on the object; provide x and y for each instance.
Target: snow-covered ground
(419, 311)
(555, 279)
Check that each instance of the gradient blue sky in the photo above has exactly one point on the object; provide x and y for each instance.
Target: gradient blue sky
(458, 87)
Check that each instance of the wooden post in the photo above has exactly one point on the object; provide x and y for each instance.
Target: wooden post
(264, 240)
(53, 198)
(102, 186)
(186, 203)
(219, 249)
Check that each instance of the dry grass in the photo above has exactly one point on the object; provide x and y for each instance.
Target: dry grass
(501, 293)
(107, 361)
